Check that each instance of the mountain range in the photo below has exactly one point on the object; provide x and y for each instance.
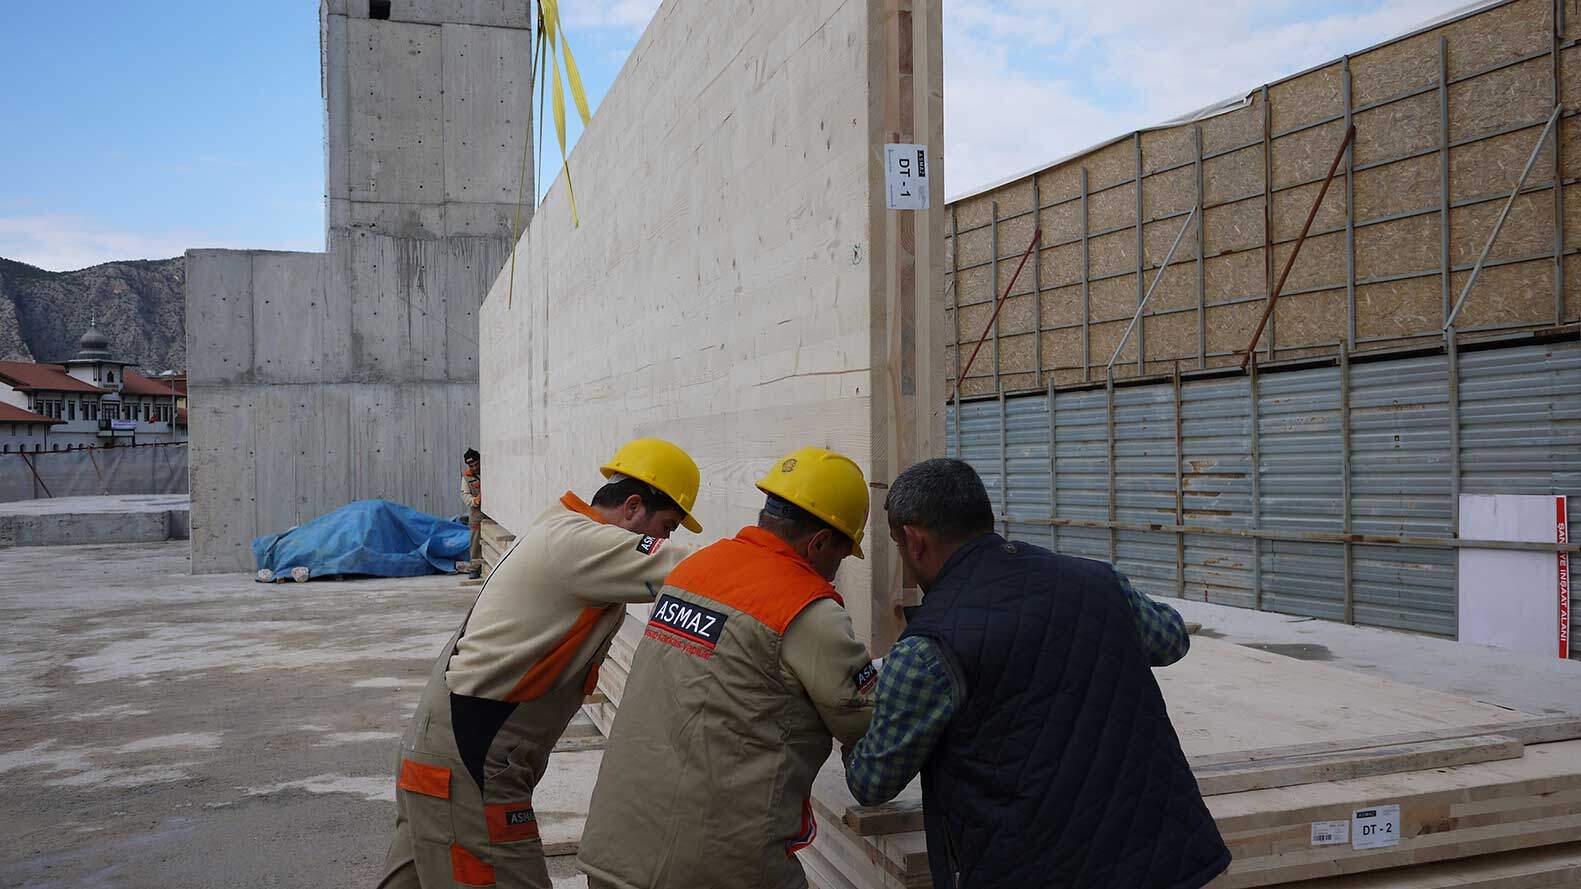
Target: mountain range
(138, 304)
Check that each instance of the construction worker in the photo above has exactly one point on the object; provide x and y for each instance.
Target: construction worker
(472, 496)
(516, 671)
(1022, 691)
(747, 666)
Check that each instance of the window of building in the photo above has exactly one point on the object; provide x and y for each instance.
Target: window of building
(110, 376)
(7, 448)
(378, 9)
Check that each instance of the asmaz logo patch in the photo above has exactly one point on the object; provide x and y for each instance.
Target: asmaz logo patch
(694, 622)
(649, 545)
(865, 678)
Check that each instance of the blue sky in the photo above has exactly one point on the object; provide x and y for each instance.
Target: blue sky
(139, 128)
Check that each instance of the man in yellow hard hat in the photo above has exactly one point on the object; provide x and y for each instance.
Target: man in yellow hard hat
(747, 667)
(514, 674)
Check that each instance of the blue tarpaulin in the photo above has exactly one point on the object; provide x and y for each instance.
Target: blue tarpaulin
(370, 537)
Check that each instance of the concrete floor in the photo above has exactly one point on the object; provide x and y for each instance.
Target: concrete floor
(109, 503)
(159, 729)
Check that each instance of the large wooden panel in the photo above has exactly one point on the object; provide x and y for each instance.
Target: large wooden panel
(1455, 109)
(736, 284)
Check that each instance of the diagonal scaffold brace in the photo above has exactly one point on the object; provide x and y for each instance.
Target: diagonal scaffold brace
(1037, 235)
(1273, 298)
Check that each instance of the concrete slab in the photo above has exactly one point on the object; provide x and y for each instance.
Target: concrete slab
(308, 367)
(1545, 686)
(224, 475)
(67, 521)
(289, 314)
(487, 75)
(397, 119)
(166, 732)
(220, 306)
(480, 12)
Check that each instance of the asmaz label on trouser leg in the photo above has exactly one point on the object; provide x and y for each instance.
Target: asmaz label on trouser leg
(1330, 833)
(1375, 828)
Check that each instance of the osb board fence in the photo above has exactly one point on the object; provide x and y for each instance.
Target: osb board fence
(736, 284)
(1445, 120)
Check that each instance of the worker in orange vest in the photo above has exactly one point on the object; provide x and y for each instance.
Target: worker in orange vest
(747, 669)
(516, 671)
(472, 496)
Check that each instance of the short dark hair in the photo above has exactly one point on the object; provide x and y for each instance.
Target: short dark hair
(790, 522)
(617, 492)
(470, 455)
(942, 495)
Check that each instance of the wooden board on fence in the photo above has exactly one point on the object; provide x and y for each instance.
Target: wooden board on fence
(1376, 239)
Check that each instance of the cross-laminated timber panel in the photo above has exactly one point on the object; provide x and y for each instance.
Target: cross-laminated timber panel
(1445, 119)
(736, 284)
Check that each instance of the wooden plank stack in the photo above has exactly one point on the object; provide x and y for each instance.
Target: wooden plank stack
(1285, 751)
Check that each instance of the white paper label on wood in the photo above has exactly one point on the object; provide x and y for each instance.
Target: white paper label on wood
(906, 176)
(1330, 833)
(1375, 828)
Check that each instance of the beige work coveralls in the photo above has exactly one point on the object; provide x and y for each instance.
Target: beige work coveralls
(502, 692)
(746, 670)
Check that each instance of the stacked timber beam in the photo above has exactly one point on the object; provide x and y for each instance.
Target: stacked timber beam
(1446, 118)
(1285, 752)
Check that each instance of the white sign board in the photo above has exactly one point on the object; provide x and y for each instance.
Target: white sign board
(1375, 828)
(1514, 599)
(906, 176)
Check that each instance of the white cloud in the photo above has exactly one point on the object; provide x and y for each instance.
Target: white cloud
(63, 242)
(1087, 71)
(625, 14)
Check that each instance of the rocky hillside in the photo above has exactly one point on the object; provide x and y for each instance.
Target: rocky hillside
(137, 304)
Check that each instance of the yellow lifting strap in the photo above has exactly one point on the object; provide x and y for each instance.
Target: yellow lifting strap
(551, 33)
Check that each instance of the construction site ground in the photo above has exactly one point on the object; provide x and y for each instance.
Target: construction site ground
(161, 729)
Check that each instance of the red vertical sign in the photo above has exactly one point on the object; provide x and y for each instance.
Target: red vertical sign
(1563, 536)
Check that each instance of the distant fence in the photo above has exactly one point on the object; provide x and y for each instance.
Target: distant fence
(132, 469)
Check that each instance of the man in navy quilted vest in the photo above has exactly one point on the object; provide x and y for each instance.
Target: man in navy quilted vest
(1022, 690)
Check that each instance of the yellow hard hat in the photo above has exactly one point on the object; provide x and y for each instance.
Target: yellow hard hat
(664, 466)
(826, 484)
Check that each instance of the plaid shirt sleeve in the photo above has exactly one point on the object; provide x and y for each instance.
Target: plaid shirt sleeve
(1164, 635)
(916, 698)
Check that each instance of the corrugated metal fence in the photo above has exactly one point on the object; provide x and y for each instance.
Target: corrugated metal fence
(1234, 489)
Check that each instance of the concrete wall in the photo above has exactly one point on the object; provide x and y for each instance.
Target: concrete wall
(317, 379)
(736, 285)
